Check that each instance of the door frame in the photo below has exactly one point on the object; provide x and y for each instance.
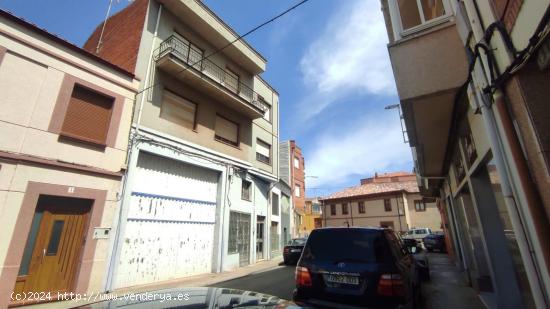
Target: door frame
(10, 269)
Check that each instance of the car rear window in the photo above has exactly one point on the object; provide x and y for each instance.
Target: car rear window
(297, 242)
(346, 245)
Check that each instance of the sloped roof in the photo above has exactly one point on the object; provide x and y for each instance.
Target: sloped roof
(375, 188)
(59, 40)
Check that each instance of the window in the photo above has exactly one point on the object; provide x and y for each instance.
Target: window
(55, 237)
(245, 190)
(333, 210)
(178, 110)
(414, 13)
(266, 107)
(345, 208)
(88, 116)
(274, 204)
(296, 162)
(239, 232)
(361, 207)
(419, 206)
(227, 131)
(387, 204)
(362, 246)
(231, 80)
(263, 151)
(297, 192)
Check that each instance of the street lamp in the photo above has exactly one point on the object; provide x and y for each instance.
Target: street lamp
(401, 119)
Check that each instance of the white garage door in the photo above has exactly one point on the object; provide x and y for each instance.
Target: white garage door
(170, 229)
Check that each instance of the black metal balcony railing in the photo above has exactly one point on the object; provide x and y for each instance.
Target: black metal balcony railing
(192, 56)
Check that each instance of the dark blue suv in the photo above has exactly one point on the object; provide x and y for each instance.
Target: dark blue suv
(362, 267)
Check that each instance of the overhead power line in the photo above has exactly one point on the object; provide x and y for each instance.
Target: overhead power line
(232, 42)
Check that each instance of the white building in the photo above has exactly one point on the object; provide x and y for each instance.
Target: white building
(200, 191)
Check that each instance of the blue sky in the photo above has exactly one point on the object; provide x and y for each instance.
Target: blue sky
(328, 60)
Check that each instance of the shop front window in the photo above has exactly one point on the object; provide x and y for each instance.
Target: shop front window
(511, 240)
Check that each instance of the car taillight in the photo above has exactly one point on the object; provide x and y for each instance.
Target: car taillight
(303, 277)
(286, 250)
(391, 285)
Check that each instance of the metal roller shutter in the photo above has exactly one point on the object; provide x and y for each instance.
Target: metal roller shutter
(170, 227)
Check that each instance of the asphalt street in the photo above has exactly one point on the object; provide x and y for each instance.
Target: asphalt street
(277, 282)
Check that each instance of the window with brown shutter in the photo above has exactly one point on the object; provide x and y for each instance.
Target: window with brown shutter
(226, 131)
(178, 110)
(88, 116)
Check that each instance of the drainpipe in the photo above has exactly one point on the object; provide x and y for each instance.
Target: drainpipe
(114, 253)
(398, 214)
(351, 212)
(148, 72)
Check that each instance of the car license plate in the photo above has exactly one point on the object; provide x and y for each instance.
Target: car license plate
(342, 279)
(296, 250)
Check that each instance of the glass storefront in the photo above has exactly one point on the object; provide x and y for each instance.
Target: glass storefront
(508, 231)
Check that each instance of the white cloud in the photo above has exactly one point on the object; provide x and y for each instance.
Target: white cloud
(376, 145)
(350, 56)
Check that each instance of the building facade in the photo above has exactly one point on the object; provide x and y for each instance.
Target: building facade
(65, 122)
(312, 217)
(201, 192)
(292, 172)
(388, 200)
(470, 78)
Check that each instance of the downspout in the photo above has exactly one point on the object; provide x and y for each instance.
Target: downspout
(114, 255)
(148, 72)
(222, 223)
(351, 212)
(398, 214)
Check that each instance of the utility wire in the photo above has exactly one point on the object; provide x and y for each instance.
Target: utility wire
(232, 42)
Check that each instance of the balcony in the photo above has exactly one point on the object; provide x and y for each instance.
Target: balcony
(429, 68)
(184, 62)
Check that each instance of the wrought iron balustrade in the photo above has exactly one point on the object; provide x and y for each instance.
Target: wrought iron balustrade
(193, 57)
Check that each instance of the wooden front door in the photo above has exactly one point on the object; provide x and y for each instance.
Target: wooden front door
(54, 245)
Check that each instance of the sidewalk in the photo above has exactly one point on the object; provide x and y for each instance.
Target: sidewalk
(446, 288)
(194, 281)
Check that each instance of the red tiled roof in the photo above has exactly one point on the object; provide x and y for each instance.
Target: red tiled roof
(375, 188)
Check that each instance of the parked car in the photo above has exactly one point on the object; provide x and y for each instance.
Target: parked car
(417, 234)
(293, 250)
(363, 267)
(420, 258)
(435, 242)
